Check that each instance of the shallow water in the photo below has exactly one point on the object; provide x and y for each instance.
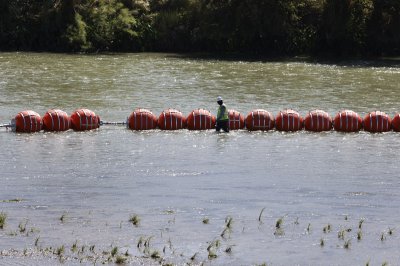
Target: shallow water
(173, 180)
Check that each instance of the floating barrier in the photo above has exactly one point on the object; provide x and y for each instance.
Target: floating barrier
(236, 120)
(142, 119)
(260, 119)
(27, 122)
(347, 121)
(56, 120)
(317, 121)
(396, 123)
(200, 119)
(171, 119)
(84, 119)
(288, 120)
(377, 122)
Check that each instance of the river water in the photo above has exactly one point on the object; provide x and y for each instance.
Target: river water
(83, 187)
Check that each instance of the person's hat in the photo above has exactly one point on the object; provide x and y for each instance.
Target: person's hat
(219, 98)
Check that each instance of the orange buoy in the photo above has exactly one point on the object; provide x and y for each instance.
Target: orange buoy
(142, 119)
(171, 119)
(84, 119)
(200, 119)
(347, 121)
(396, 123)
(260, 119)
(236, 120)
(318, 120)
(56, 120)
(288, 120)
(377, 122)
(28, 122)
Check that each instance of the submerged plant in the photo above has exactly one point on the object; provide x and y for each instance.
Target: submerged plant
(3, 218)
(360, 223)
(383, 237)
(260, 216)
(22, 226)
(308, 228)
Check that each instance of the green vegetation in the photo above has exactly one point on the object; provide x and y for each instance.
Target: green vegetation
(257, 27)
(3, 218)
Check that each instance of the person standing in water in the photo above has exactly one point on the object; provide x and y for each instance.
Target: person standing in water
(222, 116)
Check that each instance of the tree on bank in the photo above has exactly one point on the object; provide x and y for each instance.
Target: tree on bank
(260, 27)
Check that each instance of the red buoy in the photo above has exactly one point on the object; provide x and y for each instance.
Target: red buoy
(84, 119)
(377, 122)
(260, 119)
(28, 122)
(200, 119)
(288, 120)
(317, 121)
(171, 119)
(236, 120)
(396, 123)
(347, 121)
(142, 119)
(56, 120)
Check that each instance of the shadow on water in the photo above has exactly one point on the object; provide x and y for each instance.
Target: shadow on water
(345, 62)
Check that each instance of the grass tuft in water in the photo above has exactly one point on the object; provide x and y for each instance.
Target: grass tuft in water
(229, 249)
(360, 223)
(206, 220)
(228, 222)
(278, 227)
(327, 229)
(383, 237)
(114, 251)
(37, 241)
(120, 259)
(60, 250)
(390, 231)
(63, 217)
(22, 226)
(385, 263)
(347, 244)
(359, 235)
(308, 228)
(212, 254)
(3, 218)
(279, 223)
(74, 247)
(135, 220)
(341, 234)
(322, 242)
(155, 255)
